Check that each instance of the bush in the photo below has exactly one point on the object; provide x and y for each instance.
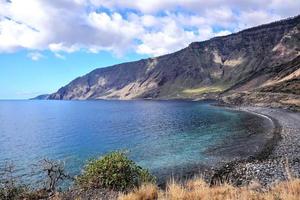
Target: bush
(16, 192)
(54, 174)
(11, 187)
(113, 171)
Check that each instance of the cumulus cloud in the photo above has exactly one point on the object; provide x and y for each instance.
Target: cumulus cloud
(254, 17)
(171, 36)
(147, 27)
(282, 7)
(35, 56)
(57, 47)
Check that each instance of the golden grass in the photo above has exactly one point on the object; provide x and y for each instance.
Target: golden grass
(145, 192)
(204, 90)
(197, 189)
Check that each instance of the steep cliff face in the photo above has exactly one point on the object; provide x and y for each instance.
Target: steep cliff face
(281, 88)
(260, 58)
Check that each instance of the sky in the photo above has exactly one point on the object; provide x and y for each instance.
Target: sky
(44, 44)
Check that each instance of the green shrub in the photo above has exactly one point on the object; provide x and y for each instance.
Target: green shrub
(11, 187)
(14, 193)
(113, 171)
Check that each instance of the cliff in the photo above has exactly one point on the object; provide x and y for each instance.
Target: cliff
(263, 59)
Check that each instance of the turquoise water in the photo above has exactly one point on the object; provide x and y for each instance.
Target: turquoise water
(163, 136)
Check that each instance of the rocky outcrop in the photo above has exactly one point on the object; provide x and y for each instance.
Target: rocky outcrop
(281, 88)
(262, 59)
(41, 97)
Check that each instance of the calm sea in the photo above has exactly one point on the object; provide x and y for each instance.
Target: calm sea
(162, 136)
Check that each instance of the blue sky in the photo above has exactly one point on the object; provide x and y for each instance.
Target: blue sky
(22, 77)
(46, 44)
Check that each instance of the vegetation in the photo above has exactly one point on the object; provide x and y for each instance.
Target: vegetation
(197, 189)
(10, 186)
(204, 90)
(55, 173)
(11, 192)
(113, 171)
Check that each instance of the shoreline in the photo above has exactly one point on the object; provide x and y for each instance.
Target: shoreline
(277, 161)
(219, 172)
(271, 143)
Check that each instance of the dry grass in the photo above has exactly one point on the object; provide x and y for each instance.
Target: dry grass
(197, 189)
(145, 192)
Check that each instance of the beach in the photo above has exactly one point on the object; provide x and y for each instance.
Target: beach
(279, 160)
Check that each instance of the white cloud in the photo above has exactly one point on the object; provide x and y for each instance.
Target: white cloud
(155, 27)
(60, 56)
(145, 6)
(283, 7)
(35, 56)
(222, 33)
(114, 32)
(253, 18)
(171, 36)
(57, 47)
(14, 36)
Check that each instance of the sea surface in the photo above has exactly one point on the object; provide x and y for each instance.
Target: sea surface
(167, 137)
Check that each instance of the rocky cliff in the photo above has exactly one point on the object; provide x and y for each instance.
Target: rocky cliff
(263, 59)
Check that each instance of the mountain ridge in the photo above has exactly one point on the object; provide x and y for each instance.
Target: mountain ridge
(213, 68)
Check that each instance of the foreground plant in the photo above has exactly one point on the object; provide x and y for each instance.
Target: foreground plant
(52, 174)
(55, 173)
(113, 171)
(10, 186)
(197, 189)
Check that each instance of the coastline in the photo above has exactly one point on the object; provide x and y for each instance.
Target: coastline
(229, 171)
(267, 168)
(278, 161)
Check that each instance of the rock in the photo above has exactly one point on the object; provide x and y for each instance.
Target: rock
(242, 61)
